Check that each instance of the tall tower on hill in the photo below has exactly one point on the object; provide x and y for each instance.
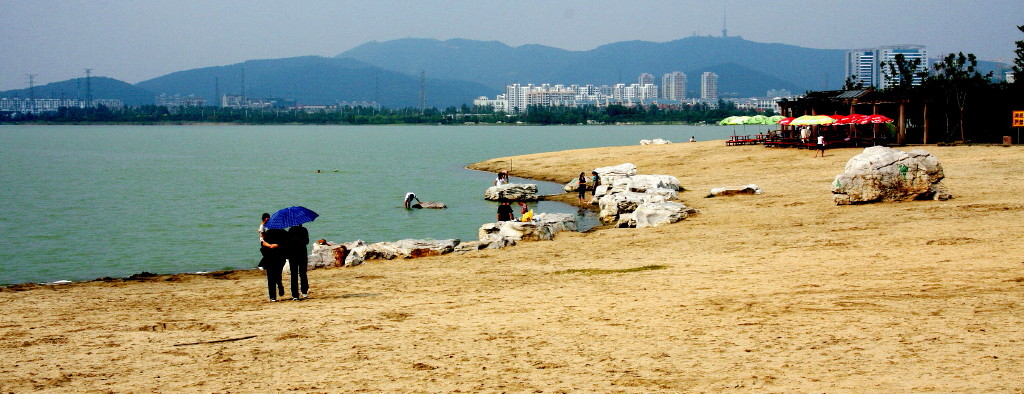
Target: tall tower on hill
(725, 31)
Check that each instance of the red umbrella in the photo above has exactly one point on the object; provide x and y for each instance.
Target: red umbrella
(850, 119)
(876, 118)
(786, 121)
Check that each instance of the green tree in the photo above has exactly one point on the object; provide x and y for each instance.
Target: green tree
(1018, 63)
(957, 75)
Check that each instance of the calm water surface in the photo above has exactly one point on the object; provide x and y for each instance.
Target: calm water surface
(82, 202)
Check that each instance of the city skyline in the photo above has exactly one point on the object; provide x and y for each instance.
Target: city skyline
(134, 41)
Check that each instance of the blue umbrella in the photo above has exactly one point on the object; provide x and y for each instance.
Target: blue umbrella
(291, 216)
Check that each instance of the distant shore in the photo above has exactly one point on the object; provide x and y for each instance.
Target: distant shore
(783, 291)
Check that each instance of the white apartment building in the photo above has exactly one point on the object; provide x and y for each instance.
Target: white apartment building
(518, 97)
(645, 79)
(180, 101)
(673, 86)
(864, 63)
(709, 86)
(52, 105)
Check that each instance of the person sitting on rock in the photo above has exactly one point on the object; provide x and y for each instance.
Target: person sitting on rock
(505, 212)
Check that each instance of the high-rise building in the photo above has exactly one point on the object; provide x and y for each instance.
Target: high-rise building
(709, 86)
(864, 64)
(673, 86)
(645, 79)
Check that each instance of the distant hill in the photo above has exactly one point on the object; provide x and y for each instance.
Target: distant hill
(760, 66)
(317, 80)
(102, 88)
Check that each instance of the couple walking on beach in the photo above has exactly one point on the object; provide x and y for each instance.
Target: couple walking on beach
(278, 245)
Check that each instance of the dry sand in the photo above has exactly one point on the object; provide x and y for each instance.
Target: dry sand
(776, 292)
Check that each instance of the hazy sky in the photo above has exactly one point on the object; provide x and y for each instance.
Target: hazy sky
(142, 39)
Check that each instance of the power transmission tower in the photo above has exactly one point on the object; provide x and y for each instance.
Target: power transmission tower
(88, 87)
(31, 92)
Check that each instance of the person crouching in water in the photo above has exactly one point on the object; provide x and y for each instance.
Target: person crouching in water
(408, 200)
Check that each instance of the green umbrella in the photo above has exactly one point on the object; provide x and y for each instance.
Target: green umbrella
(756, 119)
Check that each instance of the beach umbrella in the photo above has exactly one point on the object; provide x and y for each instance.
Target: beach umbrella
(291, 216)
(785, 121)
(775, 119)
(734, 120)
(809, 120)
(850, 119)
(756, 119)
(876, 118)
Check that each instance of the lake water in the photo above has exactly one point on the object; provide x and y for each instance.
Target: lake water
(83, 202)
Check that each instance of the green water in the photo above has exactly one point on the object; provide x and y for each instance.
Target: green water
(82, 202)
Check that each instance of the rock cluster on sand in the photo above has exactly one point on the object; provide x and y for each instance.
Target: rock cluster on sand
(492, 236)
(623, 194)
(354, 253)
(881, 174)
(512, 192)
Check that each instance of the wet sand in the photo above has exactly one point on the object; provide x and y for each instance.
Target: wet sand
(776, 292)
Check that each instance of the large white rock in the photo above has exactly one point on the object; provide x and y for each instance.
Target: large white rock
(734, 190)
(881, 174)
(558, 221)
(327, 255)
(610, 174)
(412, 248)
(656, 141)
(572, 186)
(642, 183)
(659, 213)
(613, 205)
(512, 192)
(542, 228)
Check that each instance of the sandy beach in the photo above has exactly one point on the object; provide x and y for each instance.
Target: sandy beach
(781, 292)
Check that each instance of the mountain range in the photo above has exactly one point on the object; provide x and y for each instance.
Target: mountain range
(458, 70)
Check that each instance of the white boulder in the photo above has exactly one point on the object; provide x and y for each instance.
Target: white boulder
(610, 174)
(734, 190)
(659, 213)
(512, 192)
(881, 174)
(542, 228)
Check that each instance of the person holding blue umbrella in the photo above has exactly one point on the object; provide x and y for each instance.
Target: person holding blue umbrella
(274, 239)
(298, 238)
(292, 245)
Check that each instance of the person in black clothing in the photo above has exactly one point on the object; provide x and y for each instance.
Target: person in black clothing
(298, 238)
(505, 212)
(581, 189)
(276, 242)
(264, 249)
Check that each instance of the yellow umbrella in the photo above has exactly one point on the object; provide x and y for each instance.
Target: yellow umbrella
(808, 120)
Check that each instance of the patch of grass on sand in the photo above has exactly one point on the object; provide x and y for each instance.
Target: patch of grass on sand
(596, 271)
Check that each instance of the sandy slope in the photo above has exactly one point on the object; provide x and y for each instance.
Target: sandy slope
(778, 292)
